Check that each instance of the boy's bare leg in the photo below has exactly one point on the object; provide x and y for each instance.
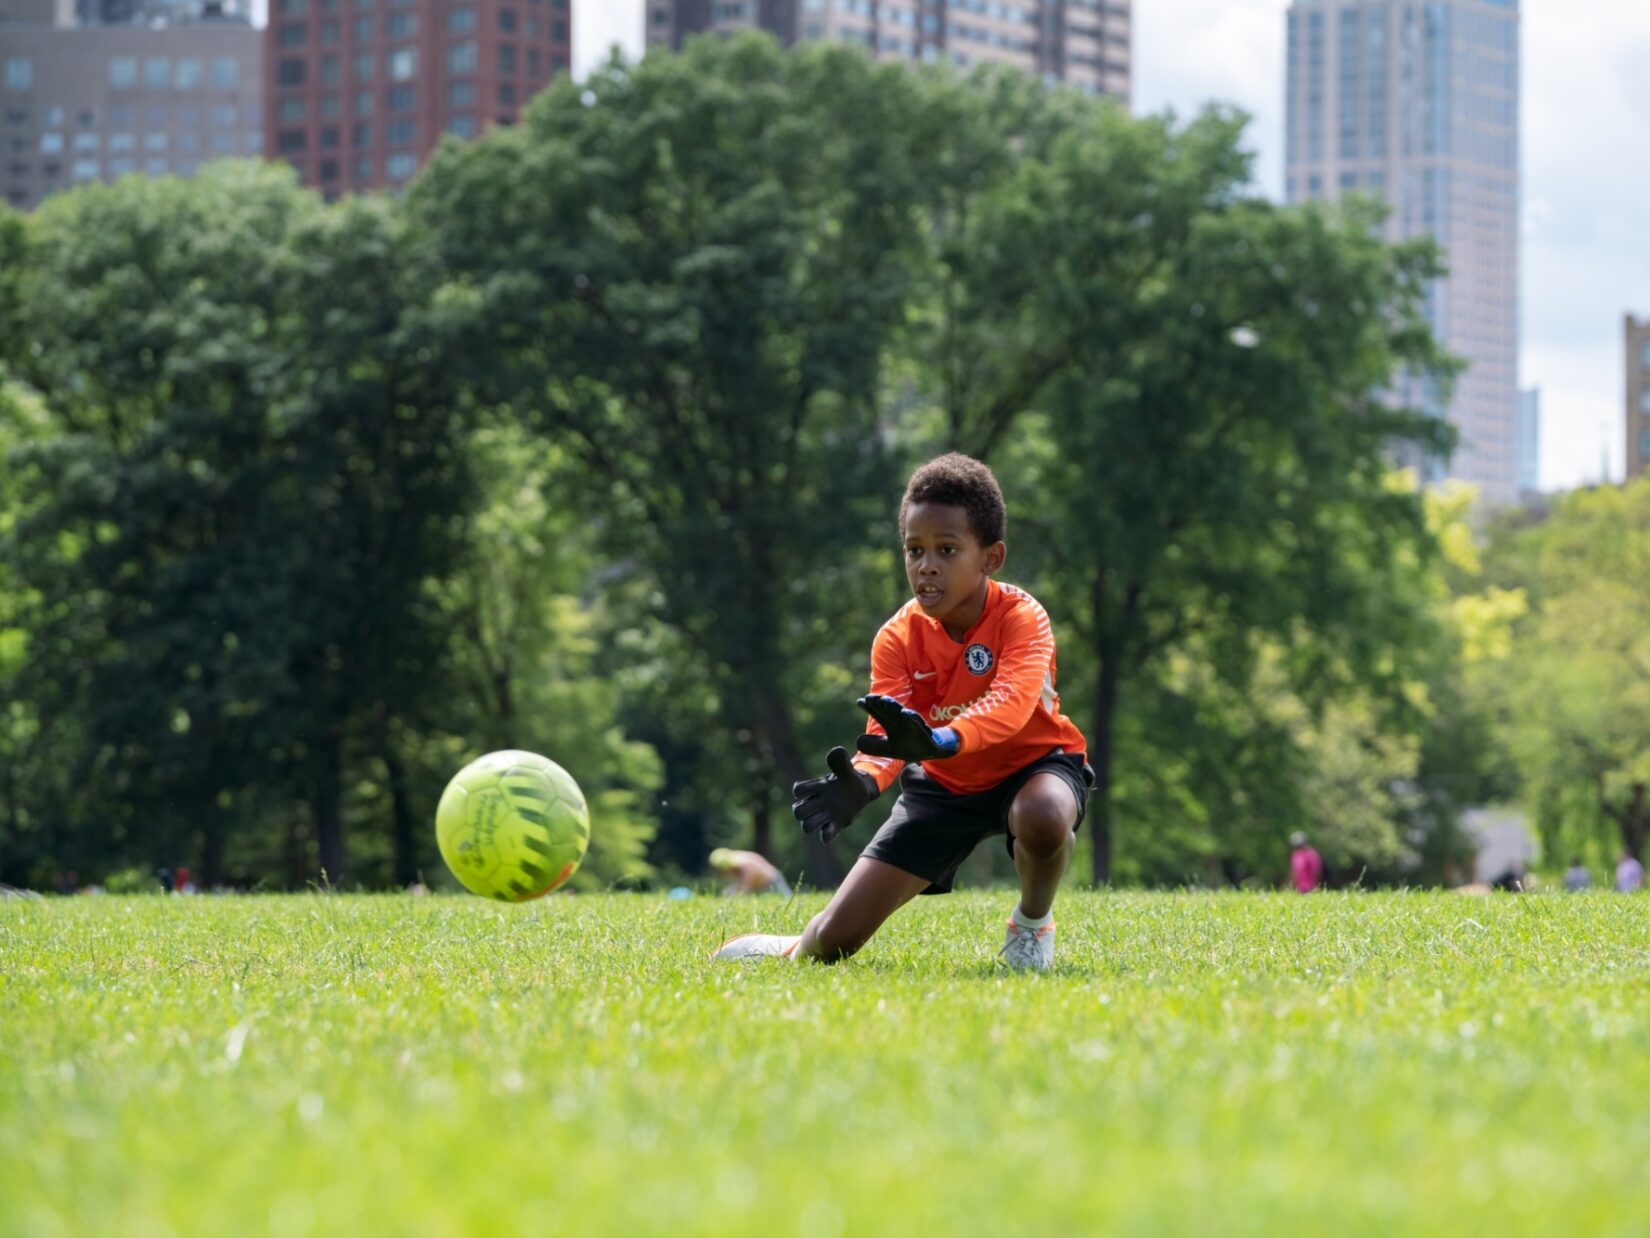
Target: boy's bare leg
(1042, 820)
(871, 893)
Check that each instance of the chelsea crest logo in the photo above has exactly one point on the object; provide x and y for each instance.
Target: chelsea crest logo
(978, 659)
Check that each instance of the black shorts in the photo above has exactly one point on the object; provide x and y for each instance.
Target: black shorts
(932, 831)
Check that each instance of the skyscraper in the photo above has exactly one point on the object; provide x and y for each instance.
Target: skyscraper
(1082, 42)
(1416, 102)
(1528, 468)
(358, 92)
(1638, 397)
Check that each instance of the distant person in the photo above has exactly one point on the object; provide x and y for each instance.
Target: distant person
(747, 872)
(964, 715)
(1305, 864)
(164, 875)
(1629, 875)
(1512, 879)
(1576, 877)
(182, 883)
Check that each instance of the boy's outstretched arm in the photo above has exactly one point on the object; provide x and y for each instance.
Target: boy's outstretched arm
(828, 805)
(905, 737)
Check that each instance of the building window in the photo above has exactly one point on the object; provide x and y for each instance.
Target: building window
(154, 167)
(294, 34)
(461, 21)
(86, 141)
(398, 134)
(154, 141)
(329, 137)
(223, 116)
(190, 74)
(85, 169)
(506, 57)
(361, 169)
(400, 167)
(363, 30)
(401, 25)
(291, 111)
(51, 143)
(329, 169)
(291, 8)
(329, 107)
(403, 62)
(360, 134)
(365, 63)
(329, 33)
(1644, 445)
(329, 70)
(122, 141)
(533, 63)
(462, 126)
(19, 74)
(507, 20)
(461, 94)
(190, 142)
(123, 73)
(157, 73)
(1644, 355)
(507, 94)
(363, 103)
(290, 140)
(461, 57)
(226, 72)
(402, 98)
(1644, 396)
(223, 142)
(290, 72)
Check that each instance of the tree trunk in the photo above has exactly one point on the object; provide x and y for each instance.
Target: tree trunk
(762, 828)
(403, 828)
(328, 809)
(1634, 820)
(821, 866)
(211, 861)
(1101, 739)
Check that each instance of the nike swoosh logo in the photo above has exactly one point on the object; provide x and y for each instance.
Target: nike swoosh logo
(923, 674)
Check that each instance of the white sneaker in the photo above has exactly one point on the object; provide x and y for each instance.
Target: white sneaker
(1028, 949)
(759, 946)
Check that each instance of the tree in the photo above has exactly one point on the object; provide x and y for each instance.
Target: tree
(1579, 711)
(250, 464)
(1209, 368)
(684, 272)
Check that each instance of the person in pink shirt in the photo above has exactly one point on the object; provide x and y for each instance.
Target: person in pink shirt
(1305, 864)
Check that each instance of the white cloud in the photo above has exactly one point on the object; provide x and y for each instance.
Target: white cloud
(598, 25)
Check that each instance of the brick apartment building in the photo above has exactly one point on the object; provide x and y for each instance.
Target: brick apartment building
(358, 92)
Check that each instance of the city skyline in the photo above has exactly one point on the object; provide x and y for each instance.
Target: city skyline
(1584, 214)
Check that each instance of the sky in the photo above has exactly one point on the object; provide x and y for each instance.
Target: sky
(1586, 182)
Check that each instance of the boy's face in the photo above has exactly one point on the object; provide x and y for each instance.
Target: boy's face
(944, 560)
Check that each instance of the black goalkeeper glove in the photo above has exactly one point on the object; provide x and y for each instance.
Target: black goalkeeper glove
(827, 805)
(908, 737)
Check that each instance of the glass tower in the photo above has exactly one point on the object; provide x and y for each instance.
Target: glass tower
(1416, 103)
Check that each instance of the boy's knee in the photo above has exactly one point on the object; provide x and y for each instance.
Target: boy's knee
(1042, 823)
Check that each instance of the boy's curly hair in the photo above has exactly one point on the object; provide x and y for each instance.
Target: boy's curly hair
(960, 481)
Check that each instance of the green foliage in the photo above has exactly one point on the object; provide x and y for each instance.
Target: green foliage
(1252, 1064)
(1578, 709)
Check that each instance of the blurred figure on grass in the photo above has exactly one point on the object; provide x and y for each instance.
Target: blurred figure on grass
(1629, 875)
(747, 872)
(1305, 864)
(1576, 877)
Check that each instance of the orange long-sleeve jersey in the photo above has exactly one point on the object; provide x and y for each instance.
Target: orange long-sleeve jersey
(995, 688)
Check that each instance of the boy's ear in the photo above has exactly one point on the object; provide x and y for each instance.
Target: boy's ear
(994, 556)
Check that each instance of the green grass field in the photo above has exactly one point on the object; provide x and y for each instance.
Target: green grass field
(1209, 1063)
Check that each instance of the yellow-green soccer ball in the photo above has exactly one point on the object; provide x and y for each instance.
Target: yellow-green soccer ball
(512, 825)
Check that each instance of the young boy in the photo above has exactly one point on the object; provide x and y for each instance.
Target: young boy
(964, 713)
